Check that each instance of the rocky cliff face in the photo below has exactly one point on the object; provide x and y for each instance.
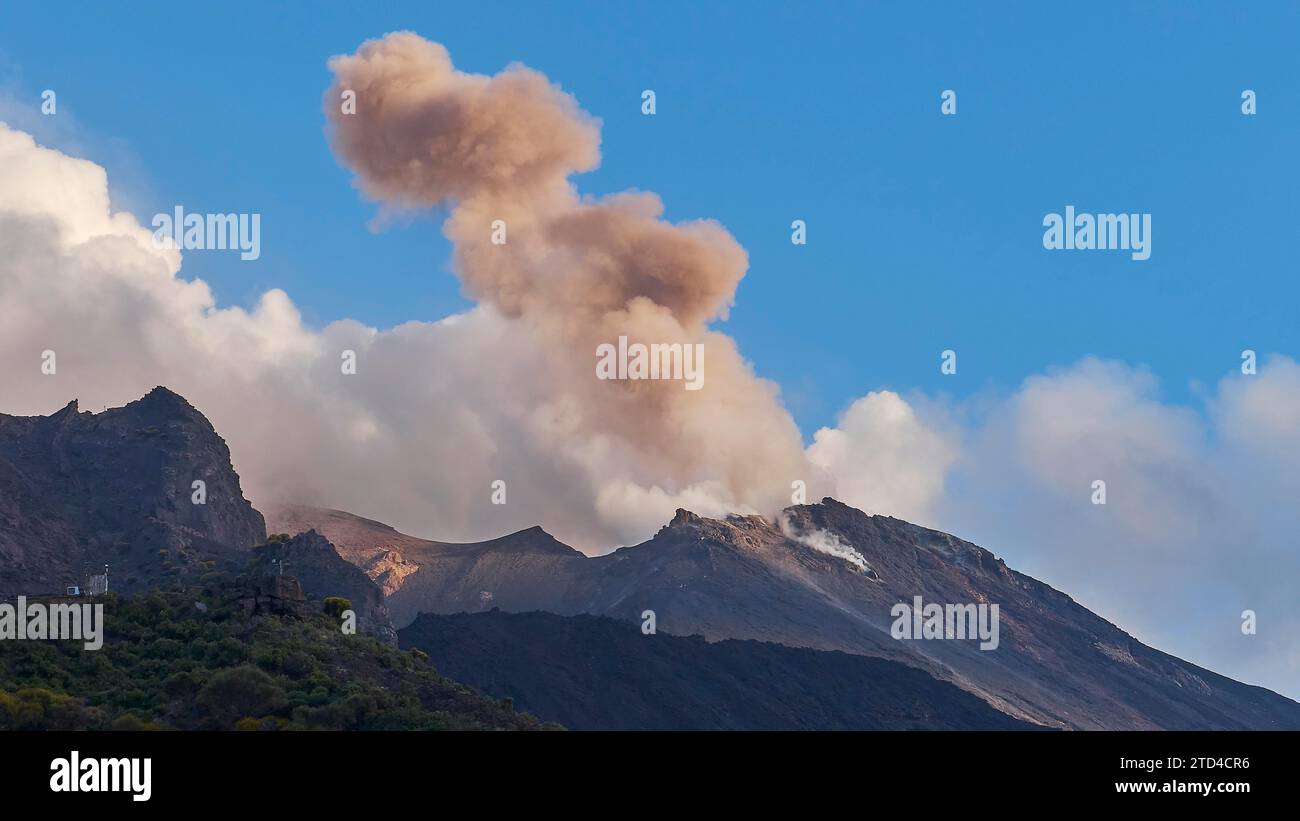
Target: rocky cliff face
(322, 572)
(273, 596)
(376, 548)
(81, 490)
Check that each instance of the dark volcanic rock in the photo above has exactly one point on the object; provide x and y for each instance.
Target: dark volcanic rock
(81, 490)
(591, 673)
(274, 596)
(374, 547)
(747, 577)
(528, 570)
(323, 573)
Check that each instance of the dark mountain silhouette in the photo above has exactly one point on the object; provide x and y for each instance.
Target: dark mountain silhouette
(1057, 663)
(81, 490)
(595, 673)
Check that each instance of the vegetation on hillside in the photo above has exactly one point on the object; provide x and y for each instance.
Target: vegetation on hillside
(186, 660)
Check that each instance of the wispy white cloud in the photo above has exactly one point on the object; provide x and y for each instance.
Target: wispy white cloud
(1199, 522)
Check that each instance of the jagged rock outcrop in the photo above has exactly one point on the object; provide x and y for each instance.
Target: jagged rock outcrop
(81, 490)
(313, 561)
(374, 547)
(274, 596)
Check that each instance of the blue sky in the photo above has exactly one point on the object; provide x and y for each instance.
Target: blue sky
(924, 230)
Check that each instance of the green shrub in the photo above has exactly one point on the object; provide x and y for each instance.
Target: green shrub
(240, 691)
(297, 664)
(336, 605)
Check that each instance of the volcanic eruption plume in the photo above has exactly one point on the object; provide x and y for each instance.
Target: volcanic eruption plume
(576, 272)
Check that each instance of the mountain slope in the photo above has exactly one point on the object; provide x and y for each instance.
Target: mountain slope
(593, 673)
(81, 490)
(374, 547)
(1057, 663)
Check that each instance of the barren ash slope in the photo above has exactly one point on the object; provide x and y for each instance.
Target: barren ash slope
(598, 673)
(1057, 663)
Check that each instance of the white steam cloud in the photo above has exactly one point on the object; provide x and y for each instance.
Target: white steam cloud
(823, 541)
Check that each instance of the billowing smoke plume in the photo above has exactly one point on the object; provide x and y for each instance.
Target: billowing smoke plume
(437, 412)
(574, 273)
